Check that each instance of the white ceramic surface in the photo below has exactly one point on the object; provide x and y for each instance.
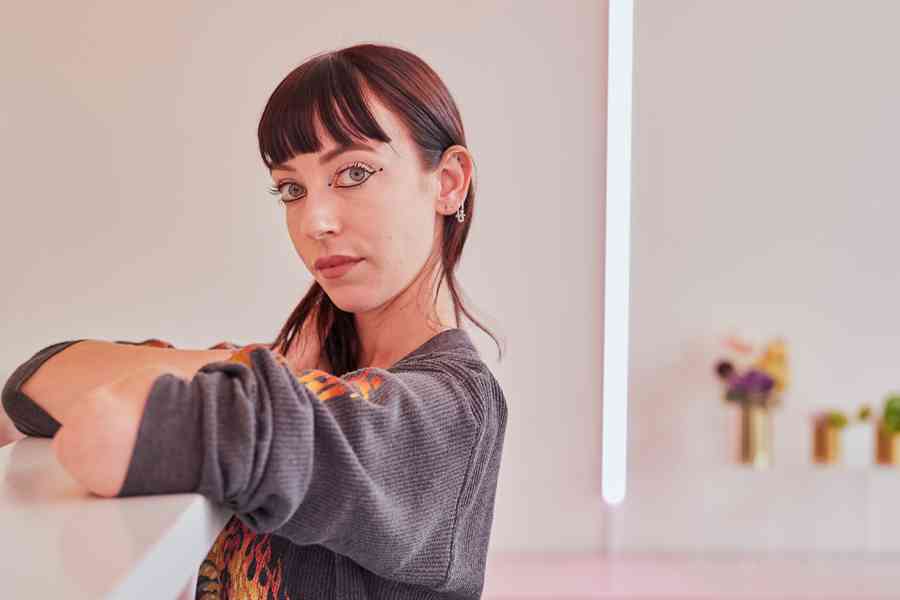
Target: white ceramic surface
(61, 541)
(858, 445)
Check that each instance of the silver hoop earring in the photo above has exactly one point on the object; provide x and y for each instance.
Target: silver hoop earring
(461, 213)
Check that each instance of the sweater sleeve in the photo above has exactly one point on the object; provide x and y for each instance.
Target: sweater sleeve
(27, 416)
(372, 464)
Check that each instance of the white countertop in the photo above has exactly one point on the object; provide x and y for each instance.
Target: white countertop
(61, 541)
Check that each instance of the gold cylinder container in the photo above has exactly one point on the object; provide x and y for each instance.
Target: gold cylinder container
(888, 446)
(755, 436)
(826, 443)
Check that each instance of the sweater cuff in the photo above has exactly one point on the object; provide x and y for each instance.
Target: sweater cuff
(27, 416)
(168, 463)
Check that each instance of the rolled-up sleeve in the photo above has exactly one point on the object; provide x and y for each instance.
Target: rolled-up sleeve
(372, 464)
(25, 413)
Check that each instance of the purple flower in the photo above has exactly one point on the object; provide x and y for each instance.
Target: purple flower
(752, 382)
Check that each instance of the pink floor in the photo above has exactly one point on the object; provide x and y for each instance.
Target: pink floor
(645, 576)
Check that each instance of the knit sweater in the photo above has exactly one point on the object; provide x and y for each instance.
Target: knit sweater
(379, 483)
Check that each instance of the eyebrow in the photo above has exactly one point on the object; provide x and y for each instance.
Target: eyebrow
(330, 155)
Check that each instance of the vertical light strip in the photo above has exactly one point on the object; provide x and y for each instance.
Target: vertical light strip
(618, 242)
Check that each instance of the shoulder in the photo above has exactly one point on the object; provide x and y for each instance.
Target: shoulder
(461, 369)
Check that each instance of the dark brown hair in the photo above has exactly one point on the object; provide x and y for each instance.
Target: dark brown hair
(332, 87)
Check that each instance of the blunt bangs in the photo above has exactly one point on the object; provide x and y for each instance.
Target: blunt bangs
(328, 89)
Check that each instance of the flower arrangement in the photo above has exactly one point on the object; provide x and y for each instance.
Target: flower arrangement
(762, 382)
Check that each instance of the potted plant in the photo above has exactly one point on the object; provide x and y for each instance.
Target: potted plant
(827, 428)
(755, 390)
(888, 452)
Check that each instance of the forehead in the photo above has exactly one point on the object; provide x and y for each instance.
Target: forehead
(388, 121)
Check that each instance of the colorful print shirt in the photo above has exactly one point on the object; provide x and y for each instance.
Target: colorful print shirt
(379, 483)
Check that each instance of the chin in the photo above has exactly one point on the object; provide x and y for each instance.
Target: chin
(350, 302)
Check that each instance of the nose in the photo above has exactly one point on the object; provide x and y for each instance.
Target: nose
(320, 215)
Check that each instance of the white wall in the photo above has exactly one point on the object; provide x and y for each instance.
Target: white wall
(765, 203)
(135, 201)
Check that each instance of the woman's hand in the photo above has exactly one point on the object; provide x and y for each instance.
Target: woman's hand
(225, 345)
(304, 352)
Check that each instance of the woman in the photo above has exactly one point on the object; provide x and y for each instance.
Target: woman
(378, 483)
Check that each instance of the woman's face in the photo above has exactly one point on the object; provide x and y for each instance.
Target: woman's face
(380, 206)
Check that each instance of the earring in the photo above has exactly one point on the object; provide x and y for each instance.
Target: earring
(461, 213)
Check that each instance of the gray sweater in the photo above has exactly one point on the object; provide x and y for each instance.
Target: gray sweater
(379, 483)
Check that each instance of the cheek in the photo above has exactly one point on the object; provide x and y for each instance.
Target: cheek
(302, 246)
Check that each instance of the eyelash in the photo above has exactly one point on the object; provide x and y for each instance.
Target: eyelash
(276, 190)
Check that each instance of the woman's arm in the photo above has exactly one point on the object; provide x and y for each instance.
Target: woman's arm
(66, 377)
(97, 440)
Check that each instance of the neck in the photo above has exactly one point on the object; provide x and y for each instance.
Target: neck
(404, 324)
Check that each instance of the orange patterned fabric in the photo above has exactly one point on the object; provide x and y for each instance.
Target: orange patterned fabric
(241, 564)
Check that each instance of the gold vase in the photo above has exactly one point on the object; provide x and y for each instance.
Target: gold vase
(826, 443)
(755, 436)
(888, 446)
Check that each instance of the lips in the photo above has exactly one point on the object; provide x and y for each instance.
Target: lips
(335, 261)
(340, 270)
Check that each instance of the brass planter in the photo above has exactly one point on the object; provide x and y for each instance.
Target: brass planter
(755, 447)
(826, 443)
(888, 446)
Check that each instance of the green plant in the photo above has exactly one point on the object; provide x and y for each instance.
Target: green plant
(891, 416)
(865, 411)
(836, 418)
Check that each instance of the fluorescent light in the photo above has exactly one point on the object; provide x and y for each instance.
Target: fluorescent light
(617, 259)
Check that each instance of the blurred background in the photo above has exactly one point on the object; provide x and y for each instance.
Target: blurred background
(763, 207)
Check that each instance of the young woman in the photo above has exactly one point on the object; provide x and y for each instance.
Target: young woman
(360, 450)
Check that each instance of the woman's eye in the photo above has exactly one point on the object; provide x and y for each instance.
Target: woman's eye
(353, 175)
(289, 191)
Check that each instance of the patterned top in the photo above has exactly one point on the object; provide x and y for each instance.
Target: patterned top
(379, 483)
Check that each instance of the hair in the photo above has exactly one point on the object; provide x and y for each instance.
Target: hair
(333, 87)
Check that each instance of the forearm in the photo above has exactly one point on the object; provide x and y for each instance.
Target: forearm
(96, 441)
(67, 376)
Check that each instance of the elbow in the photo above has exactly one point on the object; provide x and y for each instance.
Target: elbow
(75, 457)
(97, 441)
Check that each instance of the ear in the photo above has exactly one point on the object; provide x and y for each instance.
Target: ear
(454, 176)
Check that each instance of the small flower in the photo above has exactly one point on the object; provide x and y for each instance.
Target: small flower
(724, 369)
